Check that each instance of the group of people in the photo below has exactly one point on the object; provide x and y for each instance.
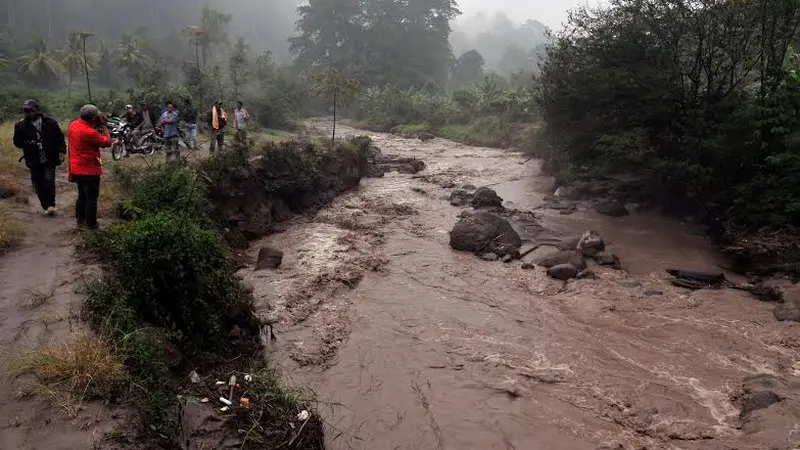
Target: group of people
(142, 122)
(44, 147)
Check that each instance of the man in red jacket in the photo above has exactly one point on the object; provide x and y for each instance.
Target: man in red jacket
(85, 162)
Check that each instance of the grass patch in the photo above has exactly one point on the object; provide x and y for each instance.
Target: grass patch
(485, 132)
(12, 230)
(83, 368)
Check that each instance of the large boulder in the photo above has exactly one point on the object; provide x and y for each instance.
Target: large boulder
(460, 197)
(485, 197)
(607, 259)
(590, 244)
(563, 272)
(483, 232)
(269, 258)
(573, 258)
(612, 208)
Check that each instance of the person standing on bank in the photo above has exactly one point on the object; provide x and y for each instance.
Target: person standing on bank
(85, 162)
(217, 121)
(171, 123)
(240, 120)
(43, 148)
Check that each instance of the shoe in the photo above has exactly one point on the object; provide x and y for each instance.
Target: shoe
(51, 211)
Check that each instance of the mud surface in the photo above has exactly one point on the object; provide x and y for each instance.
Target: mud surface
(40, 303)
(411, 345)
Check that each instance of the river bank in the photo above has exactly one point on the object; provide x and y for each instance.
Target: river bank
(412, 345)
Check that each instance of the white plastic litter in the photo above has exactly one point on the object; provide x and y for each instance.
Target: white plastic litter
(226, 401)
(304, 415)
(248, 378)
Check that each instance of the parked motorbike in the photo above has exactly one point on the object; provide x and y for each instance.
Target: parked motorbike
(125, 143)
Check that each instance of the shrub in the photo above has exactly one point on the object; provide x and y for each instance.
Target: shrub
(174, 274)
(163, 187)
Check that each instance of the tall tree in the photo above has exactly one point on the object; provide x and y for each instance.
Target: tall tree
(73, 58)
(334, 86)
(41, 64)
(377, 42)
(132, 55)
(468, 68)
(237, 63)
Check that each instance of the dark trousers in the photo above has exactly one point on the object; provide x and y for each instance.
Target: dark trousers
(217, 139)
(43, 178)
(88, 193)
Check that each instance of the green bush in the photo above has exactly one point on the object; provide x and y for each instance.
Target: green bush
(162, 187)
(175, 274)
(617, 98)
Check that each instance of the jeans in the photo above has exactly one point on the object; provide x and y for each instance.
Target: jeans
(43, 179)
(172, 147)
(88, 193)
(191, 135)
(217, 139)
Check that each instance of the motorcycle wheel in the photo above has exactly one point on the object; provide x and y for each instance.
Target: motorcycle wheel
(117, 151)
(149, 151)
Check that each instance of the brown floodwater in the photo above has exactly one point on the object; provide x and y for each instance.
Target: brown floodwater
(410, 345)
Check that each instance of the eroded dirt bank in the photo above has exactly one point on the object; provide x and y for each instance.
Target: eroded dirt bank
(414, 346)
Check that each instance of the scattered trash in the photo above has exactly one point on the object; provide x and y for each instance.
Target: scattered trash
(244, 402)
(248, 378)
(219, 383)
(204, 400)
(194, 377)
(226, 401)
(304, 415)
(224, 409)
(232, 384)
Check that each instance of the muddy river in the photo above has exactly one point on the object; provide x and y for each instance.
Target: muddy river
(410, 345)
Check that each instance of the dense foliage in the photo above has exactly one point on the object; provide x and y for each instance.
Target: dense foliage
(378, 41)
(482, 113)
(698, 98)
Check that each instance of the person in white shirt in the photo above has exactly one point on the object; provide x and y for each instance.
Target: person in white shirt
(240, 120)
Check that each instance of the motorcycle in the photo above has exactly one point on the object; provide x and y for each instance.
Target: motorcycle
(125, 144)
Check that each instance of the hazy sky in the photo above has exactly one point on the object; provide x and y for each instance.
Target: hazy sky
(549, 12)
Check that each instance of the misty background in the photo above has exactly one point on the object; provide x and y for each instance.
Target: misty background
(509, 34)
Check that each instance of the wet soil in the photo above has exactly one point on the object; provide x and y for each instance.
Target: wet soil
(411, 345)
(40, 303)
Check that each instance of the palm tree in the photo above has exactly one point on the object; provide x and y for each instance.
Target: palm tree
(237, 62)
(211, 33)
(132, 56)
(41, 63)
(73, 57)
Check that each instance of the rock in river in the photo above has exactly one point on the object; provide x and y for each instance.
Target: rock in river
(486, 197)
(269, 258)
(563, 272)
(460, 197)
(485, 233)
(607, 259)
(590, 244)
(611, 208)
(564, 257)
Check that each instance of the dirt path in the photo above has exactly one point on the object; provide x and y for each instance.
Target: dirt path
(39, 304)
(436, 349)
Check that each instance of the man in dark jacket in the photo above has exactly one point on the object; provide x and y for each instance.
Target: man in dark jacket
(43, 148)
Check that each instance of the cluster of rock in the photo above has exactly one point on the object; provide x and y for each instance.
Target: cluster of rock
(491, 237)
(380, 164)
(570, 261)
